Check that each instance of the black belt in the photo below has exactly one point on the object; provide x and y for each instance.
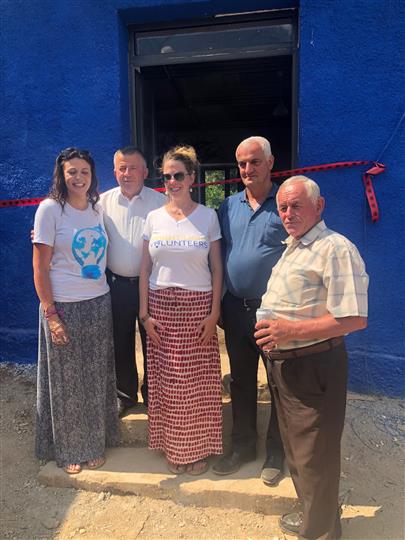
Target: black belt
(124, 278)
(248, 303)
(323, 346)
(251, 303)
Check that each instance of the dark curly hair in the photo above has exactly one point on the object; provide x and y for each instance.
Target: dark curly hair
(59, 190)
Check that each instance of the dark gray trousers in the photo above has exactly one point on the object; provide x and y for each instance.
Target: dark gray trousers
(239, 322)
(125, 311)
(310, 394)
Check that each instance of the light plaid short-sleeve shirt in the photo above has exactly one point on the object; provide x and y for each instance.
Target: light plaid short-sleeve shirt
(320, 273)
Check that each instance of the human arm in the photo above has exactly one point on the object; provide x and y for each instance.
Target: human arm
(42, 255)
(207, 327)
(279, 331)
(150, 324)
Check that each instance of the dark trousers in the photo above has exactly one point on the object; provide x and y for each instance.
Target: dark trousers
(125, 309)
(239, 322)
(310, 394)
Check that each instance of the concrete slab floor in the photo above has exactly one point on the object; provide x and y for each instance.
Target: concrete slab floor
(140, 471)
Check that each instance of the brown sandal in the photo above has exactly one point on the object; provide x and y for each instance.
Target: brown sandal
(69, 470)
(96, 463)
(198, 467)
(175, 468)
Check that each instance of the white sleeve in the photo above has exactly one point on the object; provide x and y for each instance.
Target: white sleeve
(214, 231)
(147, 228)
(100, 211)
(103, 200)
(45, 224)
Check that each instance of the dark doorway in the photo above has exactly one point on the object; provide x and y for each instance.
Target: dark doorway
(214, 104)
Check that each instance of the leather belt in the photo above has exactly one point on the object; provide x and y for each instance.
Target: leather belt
(124, 278)
(323, 346)
(250, 303)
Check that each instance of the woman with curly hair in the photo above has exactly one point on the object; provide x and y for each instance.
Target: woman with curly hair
(180, 291)
(76, 395)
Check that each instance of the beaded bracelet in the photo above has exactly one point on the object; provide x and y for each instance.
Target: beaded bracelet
(51, 310)
(144, 319)
(49, 314)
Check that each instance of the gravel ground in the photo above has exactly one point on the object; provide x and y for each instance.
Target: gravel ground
(372, 484)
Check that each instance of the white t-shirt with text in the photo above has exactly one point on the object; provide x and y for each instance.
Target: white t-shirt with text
(179, 249)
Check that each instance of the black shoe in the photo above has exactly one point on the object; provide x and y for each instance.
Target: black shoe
(231, 463)
(291, 523)
(123, 406)
(273, 471)
(144, 396)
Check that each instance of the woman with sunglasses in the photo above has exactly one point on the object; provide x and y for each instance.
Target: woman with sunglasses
(76, 395)
(180, 290)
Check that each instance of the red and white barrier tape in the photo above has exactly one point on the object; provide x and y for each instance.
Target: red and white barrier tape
(376, 169)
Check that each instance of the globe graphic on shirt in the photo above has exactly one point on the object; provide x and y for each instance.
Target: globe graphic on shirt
(88, 248)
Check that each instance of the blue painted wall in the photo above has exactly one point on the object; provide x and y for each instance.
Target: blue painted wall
(351, 98)
(65, 82)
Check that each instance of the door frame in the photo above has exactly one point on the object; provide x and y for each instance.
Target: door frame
(135, 70)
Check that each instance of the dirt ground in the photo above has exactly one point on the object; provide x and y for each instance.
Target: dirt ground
(372, 484)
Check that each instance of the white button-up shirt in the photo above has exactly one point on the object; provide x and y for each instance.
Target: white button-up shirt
(124, 220)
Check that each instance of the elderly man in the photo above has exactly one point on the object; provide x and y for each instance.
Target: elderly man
(252, 235)
(318, 293)
(125, 209)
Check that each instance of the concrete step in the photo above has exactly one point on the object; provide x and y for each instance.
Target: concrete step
(134, 426)
(143, 472)
(134, 469)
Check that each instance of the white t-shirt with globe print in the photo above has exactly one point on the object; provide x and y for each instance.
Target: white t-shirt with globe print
(79, 241)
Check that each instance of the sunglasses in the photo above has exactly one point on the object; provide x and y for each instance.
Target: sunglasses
(178, 176)
(72, 152)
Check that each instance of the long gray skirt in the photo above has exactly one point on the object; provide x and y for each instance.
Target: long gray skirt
(76, 390)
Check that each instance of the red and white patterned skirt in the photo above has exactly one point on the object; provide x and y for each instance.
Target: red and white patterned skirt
(184, 379)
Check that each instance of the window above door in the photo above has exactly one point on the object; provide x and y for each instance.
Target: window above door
(219, 41)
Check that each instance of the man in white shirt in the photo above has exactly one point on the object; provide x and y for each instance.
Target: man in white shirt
(125, 209)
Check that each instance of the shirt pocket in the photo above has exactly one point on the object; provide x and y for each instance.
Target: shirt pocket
(273, 232)
(302, 288)
(293, 289)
